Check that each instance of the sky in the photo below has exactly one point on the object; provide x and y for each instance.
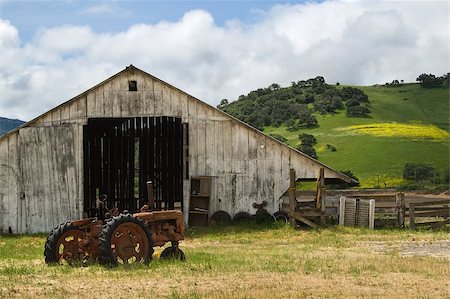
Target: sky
(51, 51)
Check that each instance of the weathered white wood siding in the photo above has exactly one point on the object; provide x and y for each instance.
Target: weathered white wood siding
(41, 177)
(11, 204)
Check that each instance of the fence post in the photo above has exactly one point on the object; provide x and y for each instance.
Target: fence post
(323, 218)
(412, 225)
(372, 214)
(400, 200)
(292, 199)
(341, 210)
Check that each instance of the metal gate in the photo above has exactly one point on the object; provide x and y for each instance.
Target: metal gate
(122, 154)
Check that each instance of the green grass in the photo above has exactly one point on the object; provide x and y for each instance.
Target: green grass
(380, 160)
(240, 262)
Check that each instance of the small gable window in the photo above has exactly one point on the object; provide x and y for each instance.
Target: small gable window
(132, 85)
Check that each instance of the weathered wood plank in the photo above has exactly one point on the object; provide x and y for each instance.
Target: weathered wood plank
(47, 119)
(27, 156)
(15, 183)
(82, 106)
(65, 112)
(245, 198)
(99, 102)
(210, 149)
(90, 104)
(158, 97)
(79, 158)
(261, 171)
(252, 175)
(305, 220)
(5, 180)
(108, 98)
(124, 95)
(184, 107)
(116, 98)
(73, 109)
(269, 174)
(193, 145)
(277, 184)
(201, 147)
(45, 183)
(56, 116)
(149, 99)
(166, 101)
(176, 98)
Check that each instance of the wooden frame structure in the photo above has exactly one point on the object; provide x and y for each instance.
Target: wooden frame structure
(318, 210)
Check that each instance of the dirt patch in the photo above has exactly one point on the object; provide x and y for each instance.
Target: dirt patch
(438, 248)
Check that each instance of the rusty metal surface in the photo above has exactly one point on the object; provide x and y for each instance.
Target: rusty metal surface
(68, 249)
(129, 244)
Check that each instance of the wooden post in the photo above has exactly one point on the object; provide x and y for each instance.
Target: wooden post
(292, 199)
(341, 210)
(323, 218)
(372, 214)
(412, 225)
(400, 200)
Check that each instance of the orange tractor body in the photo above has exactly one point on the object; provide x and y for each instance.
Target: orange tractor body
(117, 238)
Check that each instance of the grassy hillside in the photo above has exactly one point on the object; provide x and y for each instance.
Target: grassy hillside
(407, 124)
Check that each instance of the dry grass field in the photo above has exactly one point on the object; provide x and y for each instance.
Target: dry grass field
(273, 261)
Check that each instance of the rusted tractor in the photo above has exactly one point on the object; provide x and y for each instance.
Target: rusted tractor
(114, 238)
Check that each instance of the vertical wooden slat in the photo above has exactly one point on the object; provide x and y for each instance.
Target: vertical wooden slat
(412, 219)
(108, 99)
(322, 196)
(292, 200)
(6, 177)
(90, 104)
(400, 202)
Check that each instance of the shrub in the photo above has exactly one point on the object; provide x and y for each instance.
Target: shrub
(357, 111)
(446, 176)
(420, 172)
(430, 80)
(307, 139)
(308, 150)
(331, 148)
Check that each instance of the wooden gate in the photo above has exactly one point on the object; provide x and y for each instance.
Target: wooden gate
(122, 154)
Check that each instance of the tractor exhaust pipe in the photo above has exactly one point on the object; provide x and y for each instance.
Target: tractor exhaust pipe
(151, 197)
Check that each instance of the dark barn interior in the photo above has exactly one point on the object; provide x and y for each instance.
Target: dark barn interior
(122, 154)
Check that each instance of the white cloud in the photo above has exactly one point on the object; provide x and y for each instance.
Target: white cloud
(348, 42)
(101, 9)
(9, 36)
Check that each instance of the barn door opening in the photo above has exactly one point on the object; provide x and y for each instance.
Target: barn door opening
(122, 154)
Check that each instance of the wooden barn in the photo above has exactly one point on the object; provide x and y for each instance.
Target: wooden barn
(127, 130)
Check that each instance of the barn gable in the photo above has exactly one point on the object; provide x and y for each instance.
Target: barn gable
(42, 171)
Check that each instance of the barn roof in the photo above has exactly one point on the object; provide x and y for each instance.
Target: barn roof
(340, 177)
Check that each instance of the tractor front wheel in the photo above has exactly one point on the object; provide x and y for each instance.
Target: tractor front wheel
(172, 253)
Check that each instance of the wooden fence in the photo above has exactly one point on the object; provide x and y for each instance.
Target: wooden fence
(388, 207)
(432, 212)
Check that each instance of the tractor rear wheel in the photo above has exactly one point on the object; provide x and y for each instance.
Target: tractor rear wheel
(125, 240)
(174, 253)
(63, 245)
